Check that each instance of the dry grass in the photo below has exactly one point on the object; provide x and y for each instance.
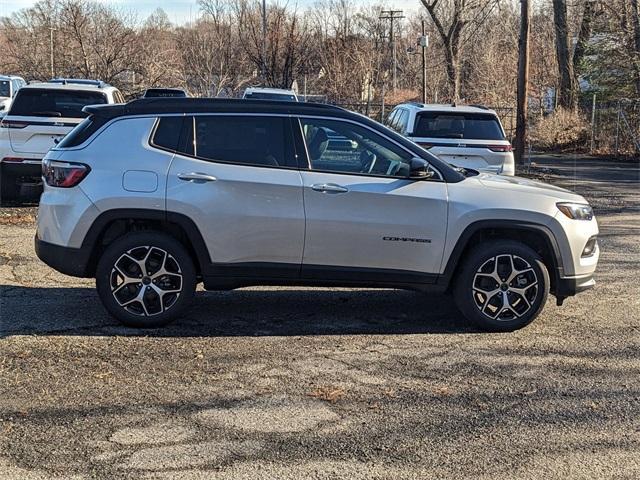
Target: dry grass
(560, 131)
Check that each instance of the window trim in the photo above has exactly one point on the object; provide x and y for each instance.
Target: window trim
(307, 162)
(290, 148)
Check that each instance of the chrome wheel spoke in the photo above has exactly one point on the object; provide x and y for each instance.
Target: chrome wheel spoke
(157, 278)
(505, 287)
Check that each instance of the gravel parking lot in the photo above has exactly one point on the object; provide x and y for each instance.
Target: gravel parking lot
(297, 383)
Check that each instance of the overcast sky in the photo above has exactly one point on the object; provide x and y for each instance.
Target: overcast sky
(181, 11)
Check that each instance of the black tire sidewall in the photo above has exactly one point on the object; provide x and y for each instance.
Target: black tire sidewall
(473, 261)
(138, 239)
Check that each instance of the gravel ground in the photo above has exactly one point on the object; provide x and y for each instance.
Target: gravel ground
(281, 383)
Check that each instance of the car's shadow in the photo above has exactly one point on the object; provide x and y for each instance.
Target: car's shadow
(279, 312)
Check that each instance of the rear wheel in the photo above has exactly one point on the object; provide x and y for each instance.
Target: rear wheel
(145, 279)
(503, 286)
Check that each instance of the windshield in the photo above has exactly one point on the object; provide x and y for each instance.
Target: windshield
(270, 96)
(36, 102)
(476, 126)
(4, 88)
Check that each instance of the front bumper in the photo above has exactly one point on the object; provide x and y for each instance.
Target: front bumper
(570, 286)
(67, 260)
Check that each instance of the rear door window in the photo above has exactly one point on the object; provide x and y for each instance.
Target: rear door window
(245, 140)
(477, 126)
(48, 102)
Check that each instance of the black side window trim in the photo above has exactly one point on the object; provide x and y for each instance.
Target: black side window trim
(290, 149)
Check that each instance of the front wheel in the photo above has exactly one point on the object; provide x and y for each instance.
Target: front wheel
(503, 286)
(145, 279)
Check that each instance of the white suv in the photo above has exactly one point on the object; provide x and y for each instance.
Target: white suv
(470, 137)
(264, 93)
(40, 115)
(9, 86)
(154, 196)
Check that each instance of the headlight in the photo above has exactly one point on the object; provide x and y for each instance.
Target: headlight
(576, 211)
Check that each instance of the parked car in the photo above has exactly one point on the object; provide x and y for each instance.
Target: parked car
(9, 86)
(152, 197)
(164, 93)
(42, 114)
(464, 136)
(261, 93)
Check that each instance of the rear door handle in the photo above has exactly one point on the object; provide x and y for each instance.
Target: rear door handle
(329, 188)
(196, 177)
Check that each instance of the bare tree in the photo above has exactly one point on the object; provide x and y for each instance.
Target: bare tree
(456, 21)
(635, 21)
(523, 80)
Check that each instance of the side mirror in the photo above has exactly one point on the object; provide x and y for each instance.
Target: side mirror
(419, 169)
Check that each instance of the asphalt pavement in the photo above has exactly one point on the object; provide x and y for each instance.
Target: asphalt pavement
(293, 383)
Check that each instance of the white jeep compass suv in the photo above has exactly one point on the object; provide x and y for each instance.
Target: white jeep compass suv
(156, 195)
(40, 115)
(467, 136)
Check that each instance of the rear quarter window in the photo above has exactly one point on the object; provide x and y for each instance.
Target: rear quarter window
(476, 126)
(48, 102)
(82, 132)
(167, 133)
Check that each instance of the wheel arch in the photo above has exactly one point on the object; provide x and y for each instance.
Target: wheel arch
(112, 224)
(538, 237)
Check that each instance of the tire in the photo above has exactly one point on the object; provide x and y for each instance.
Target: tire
(169, 282)
(490, 271)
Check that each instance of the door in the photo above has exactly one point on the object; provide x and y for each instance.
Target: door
(236, 177)
(363, 214)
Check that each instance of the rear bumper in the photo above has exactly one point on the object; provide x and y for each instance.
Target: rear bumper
(33, 168)
(70, 261)
(570, 286)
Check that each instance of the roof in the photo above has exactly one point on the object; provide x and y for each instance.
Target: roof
(10, 77)
(69, 86)
(270, 90)
(159, 105)
(447, 107)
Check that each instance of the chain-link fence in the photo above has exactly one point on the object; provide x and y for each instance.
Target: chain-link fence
(614, 127)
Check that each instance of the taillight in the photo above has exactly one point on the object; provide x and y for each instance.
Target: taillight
(63, 174)
(426, 146)
(13, 159)
(500, 148)
(12, 124)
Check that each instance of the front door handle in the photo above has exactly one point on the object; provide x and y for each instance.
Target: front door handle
(329, 188)
(196, 177)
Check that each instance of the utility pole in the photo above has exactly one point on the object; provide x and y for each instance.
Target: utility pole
(392, 15)
(263, 73)
(423, 41)
(53, 70)
(523, 81)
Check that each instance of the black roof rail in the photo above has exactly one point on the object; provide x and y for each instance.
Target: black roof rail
(161, 105)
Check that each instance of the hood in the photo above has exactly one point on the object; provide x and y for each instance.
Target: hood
(503, 182)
